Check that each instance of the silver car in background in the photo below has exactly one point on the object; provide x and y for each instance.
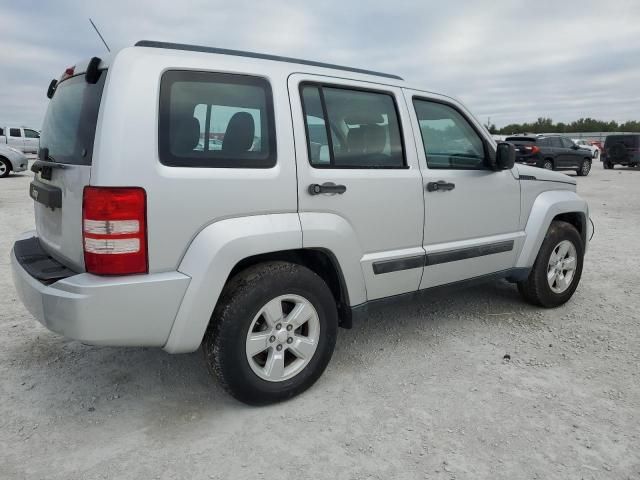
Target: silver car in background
(11, 159)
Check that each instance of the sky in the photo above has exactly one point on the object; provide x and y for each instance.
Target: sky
(510, 61)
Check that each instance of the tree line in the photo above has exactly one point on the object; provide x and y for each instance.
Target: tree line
(546, 125)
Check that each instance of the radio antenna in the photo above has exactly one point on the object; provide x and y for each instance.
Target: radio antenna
(101, 37)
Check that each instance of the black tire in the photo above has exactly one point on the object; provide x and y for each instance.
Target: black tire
(547, 164)
(6, 168)
(242, 299)
(584, 168)
(606, 165)
(536, 289)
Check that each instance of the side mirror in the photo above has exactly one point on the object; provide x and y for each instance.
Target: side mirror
(505, 156)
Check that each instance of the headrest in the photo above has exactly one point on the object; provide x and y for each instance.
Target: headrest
(185, 135)
(366, 139)
(239, 135)
(362, 117)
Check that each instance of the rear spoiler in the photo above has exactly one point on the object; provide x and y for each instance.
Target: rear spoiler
(91, 75)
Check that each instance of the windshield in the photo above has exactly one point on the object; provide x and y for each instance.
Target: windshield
(69, 126)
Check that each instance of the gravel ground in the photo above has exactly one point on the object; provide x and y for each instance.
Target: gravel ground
(417, 391)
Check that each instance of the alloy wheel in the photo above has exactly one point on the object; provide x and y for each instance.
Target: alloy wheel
(562, 266)
(283, 338)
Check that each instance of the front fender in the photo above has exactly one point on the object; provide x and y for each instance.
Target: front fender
(545, 208)
(209, 261)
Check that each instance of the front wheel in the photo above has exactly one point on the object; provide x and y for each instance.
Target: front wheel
(585, 168)
(5, 168)
(557, 270)
(272, 333)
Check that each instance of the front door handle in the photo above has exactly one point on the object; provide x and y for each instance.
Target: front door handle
(440, 185)
(327, 187)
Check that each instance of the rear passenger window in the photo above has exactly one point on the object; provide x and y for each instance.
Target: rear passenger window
(216, 120)
(349, 128)
(14, 132)
(449, 140)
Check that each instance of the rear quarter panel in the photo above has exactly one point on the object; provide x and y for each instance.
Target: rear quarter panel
(182, 201)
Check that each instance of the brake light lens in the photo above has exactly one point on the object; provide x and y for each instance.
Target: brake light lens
(114, 230)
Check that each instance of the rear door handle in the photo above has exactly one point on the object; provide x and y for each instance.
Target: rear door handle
(439, 186)
(327, 187)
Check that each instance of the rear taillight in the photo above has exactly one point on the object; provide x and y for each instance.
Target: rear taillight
(532, 149)
(114, 230)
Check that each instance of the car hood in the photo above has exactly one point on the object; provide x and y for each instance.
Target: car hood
(540, 174)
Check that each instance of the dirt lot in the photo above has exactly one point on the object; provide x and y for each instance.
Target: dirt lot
(416, 391)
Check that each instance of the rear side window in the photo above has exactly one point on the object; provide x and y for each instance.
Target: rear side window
(449, 140)
(556, 142)
(349, 128)
(14, 132)
(216, 120)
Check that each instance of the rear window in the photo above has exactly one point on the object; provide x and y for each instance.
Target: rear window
(216, 120)
(520, 140)
(629, 140)
(69, 127)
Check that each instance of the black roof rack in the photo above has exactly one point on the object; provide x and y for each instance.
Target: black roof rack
(263, 56)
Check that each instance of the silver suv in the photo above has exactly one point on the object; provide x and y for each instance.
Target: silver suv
(251, 204)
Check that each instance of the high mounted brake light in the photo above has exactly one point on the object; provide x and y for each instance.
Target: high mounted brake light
(114, 230)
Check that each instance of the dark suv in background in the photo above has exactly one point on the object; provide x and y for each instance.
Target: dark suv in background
(552, 152)
(621, 150)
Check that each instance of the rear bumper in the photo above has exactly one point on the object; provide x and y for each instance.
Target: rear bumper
(135, 310)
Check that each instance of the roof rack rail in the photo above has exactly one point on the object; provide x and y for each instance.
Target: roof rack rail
(263, 56)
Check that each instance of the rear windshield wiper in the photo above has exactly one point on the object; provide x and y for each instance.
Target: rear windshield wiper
(45, 160)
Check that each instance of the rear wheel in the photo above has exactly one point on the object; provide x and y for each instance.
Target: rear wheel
(272, 333)
(585, 168)
(548, 165)
(607, 165)
(557, 270)
(5, 168)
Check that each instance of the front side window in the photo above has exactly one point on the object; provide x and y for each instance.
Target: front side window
(349, 128)
(566, 143)
(14, 132)
(31, 133)
(449, 140)
(216, 120)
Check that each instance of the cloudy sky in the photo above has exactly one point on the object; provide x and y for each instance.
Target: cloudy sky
(509, 60)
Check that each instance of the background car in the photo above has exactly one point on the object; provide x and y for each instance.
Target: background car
(11, 159)
(582, 143)
(621, 150)
(552, 152)
(26, 140)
